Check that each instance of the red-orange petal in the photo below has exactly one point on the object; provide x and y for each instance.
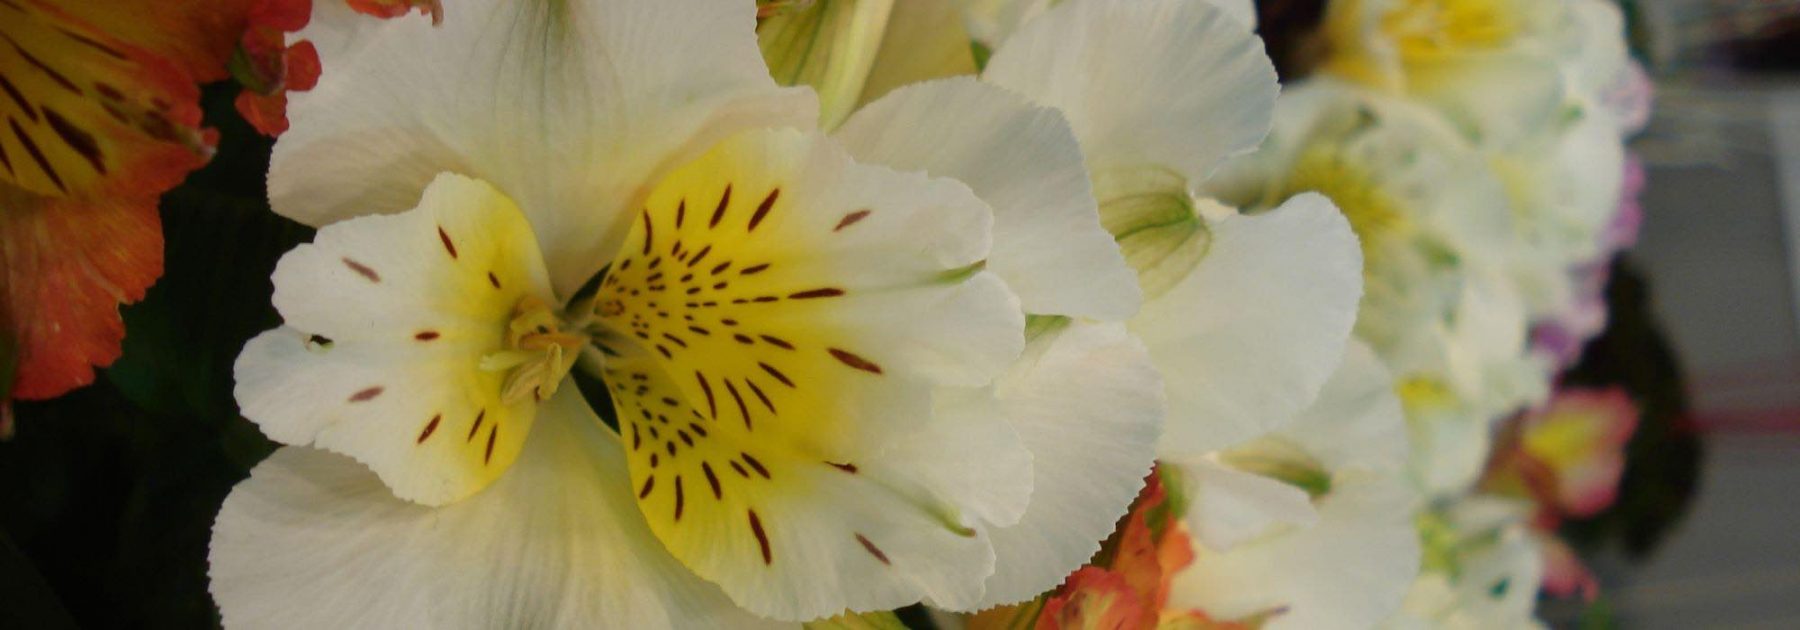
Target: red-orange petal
(397, 8)
(68, 264)
(198, 36)
(1094, 599)
(96, 128)
(267, 113)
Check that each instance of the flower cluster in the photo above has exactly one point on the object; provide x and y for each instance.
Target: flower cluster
(722, 313)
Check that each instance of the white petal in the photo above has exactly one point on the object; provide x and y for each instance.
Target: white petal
(1356, 423)
(1089, 406)
(1024, 162)
(775, 269)
(572, 108)
(312, 539)
(1248, 338)
(787, 533)
(1350, 570)
(1353, 566)
(1177, 84)
(780, 319)
(387, 319)
(1231, 507)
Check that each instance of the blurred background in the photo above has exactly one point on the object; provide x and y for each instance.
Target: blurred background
(1719, 270)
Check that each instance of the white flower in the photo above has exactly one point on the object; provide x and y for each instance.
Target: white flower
(1482, 570)
(1314, 520)
(1441, 247)
(1497, 68)
(825, 401)
(1246, 316)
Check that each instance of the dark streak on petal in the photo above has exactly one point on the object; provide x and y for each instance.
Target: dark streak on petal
(762, 539)
(362, 270)
(851, 219)
(762, 210)
(816, 293)
(872, 549)
(445, 237)
(855, 361)
(429, 428)
(724, 200)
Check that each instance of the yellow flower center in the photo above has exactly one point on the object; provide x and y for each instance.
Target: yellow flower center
(538, 352)
(1374, 215)
(1425, 29)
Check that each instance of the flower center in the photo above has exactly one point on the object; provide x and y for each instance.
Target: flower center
(1427, 28)
(538, 352)
(1373, 214)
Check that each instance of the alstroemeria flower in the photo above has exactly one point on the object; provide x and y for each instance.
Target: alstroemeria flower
(1568, 456)
(1131, 587)
(268, 66)
(102, 117)
(1128, 583)
(1244, 316)
(826, 398)
(1440, 247)
(1481, 569)
(1498, 68)
(1314, 520)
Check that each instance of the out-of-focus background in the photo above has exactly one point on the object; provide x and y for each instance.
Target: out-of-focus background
(1720, 255)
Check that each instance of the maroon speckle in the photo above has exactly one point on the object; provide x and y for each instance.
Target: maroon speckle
(724, 201)
(817, 293)
(366, 395)
(362, 270)
(776, 373)
(851, 219)
(448, 246)
(712, 480)
(762, 539)
(855, 361)
(762, 209)
(756, 465)
(872, 549)
(429, 428)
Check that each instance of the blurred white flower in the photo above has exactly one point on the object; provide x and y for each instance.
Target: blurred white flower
(1346, 556)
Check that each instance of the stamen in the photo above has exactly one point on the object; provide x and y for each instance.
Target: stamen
(539, 353)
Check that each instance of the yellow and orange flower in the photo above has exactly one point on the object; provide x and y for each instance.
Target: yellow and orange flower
(1567, 457)
(102, 116)
(1126, 587)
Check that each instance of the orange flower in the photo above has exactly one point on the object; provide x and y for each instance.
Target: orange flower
(102, 116)
(1127, 585)
(268, 67)
(397, 8)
